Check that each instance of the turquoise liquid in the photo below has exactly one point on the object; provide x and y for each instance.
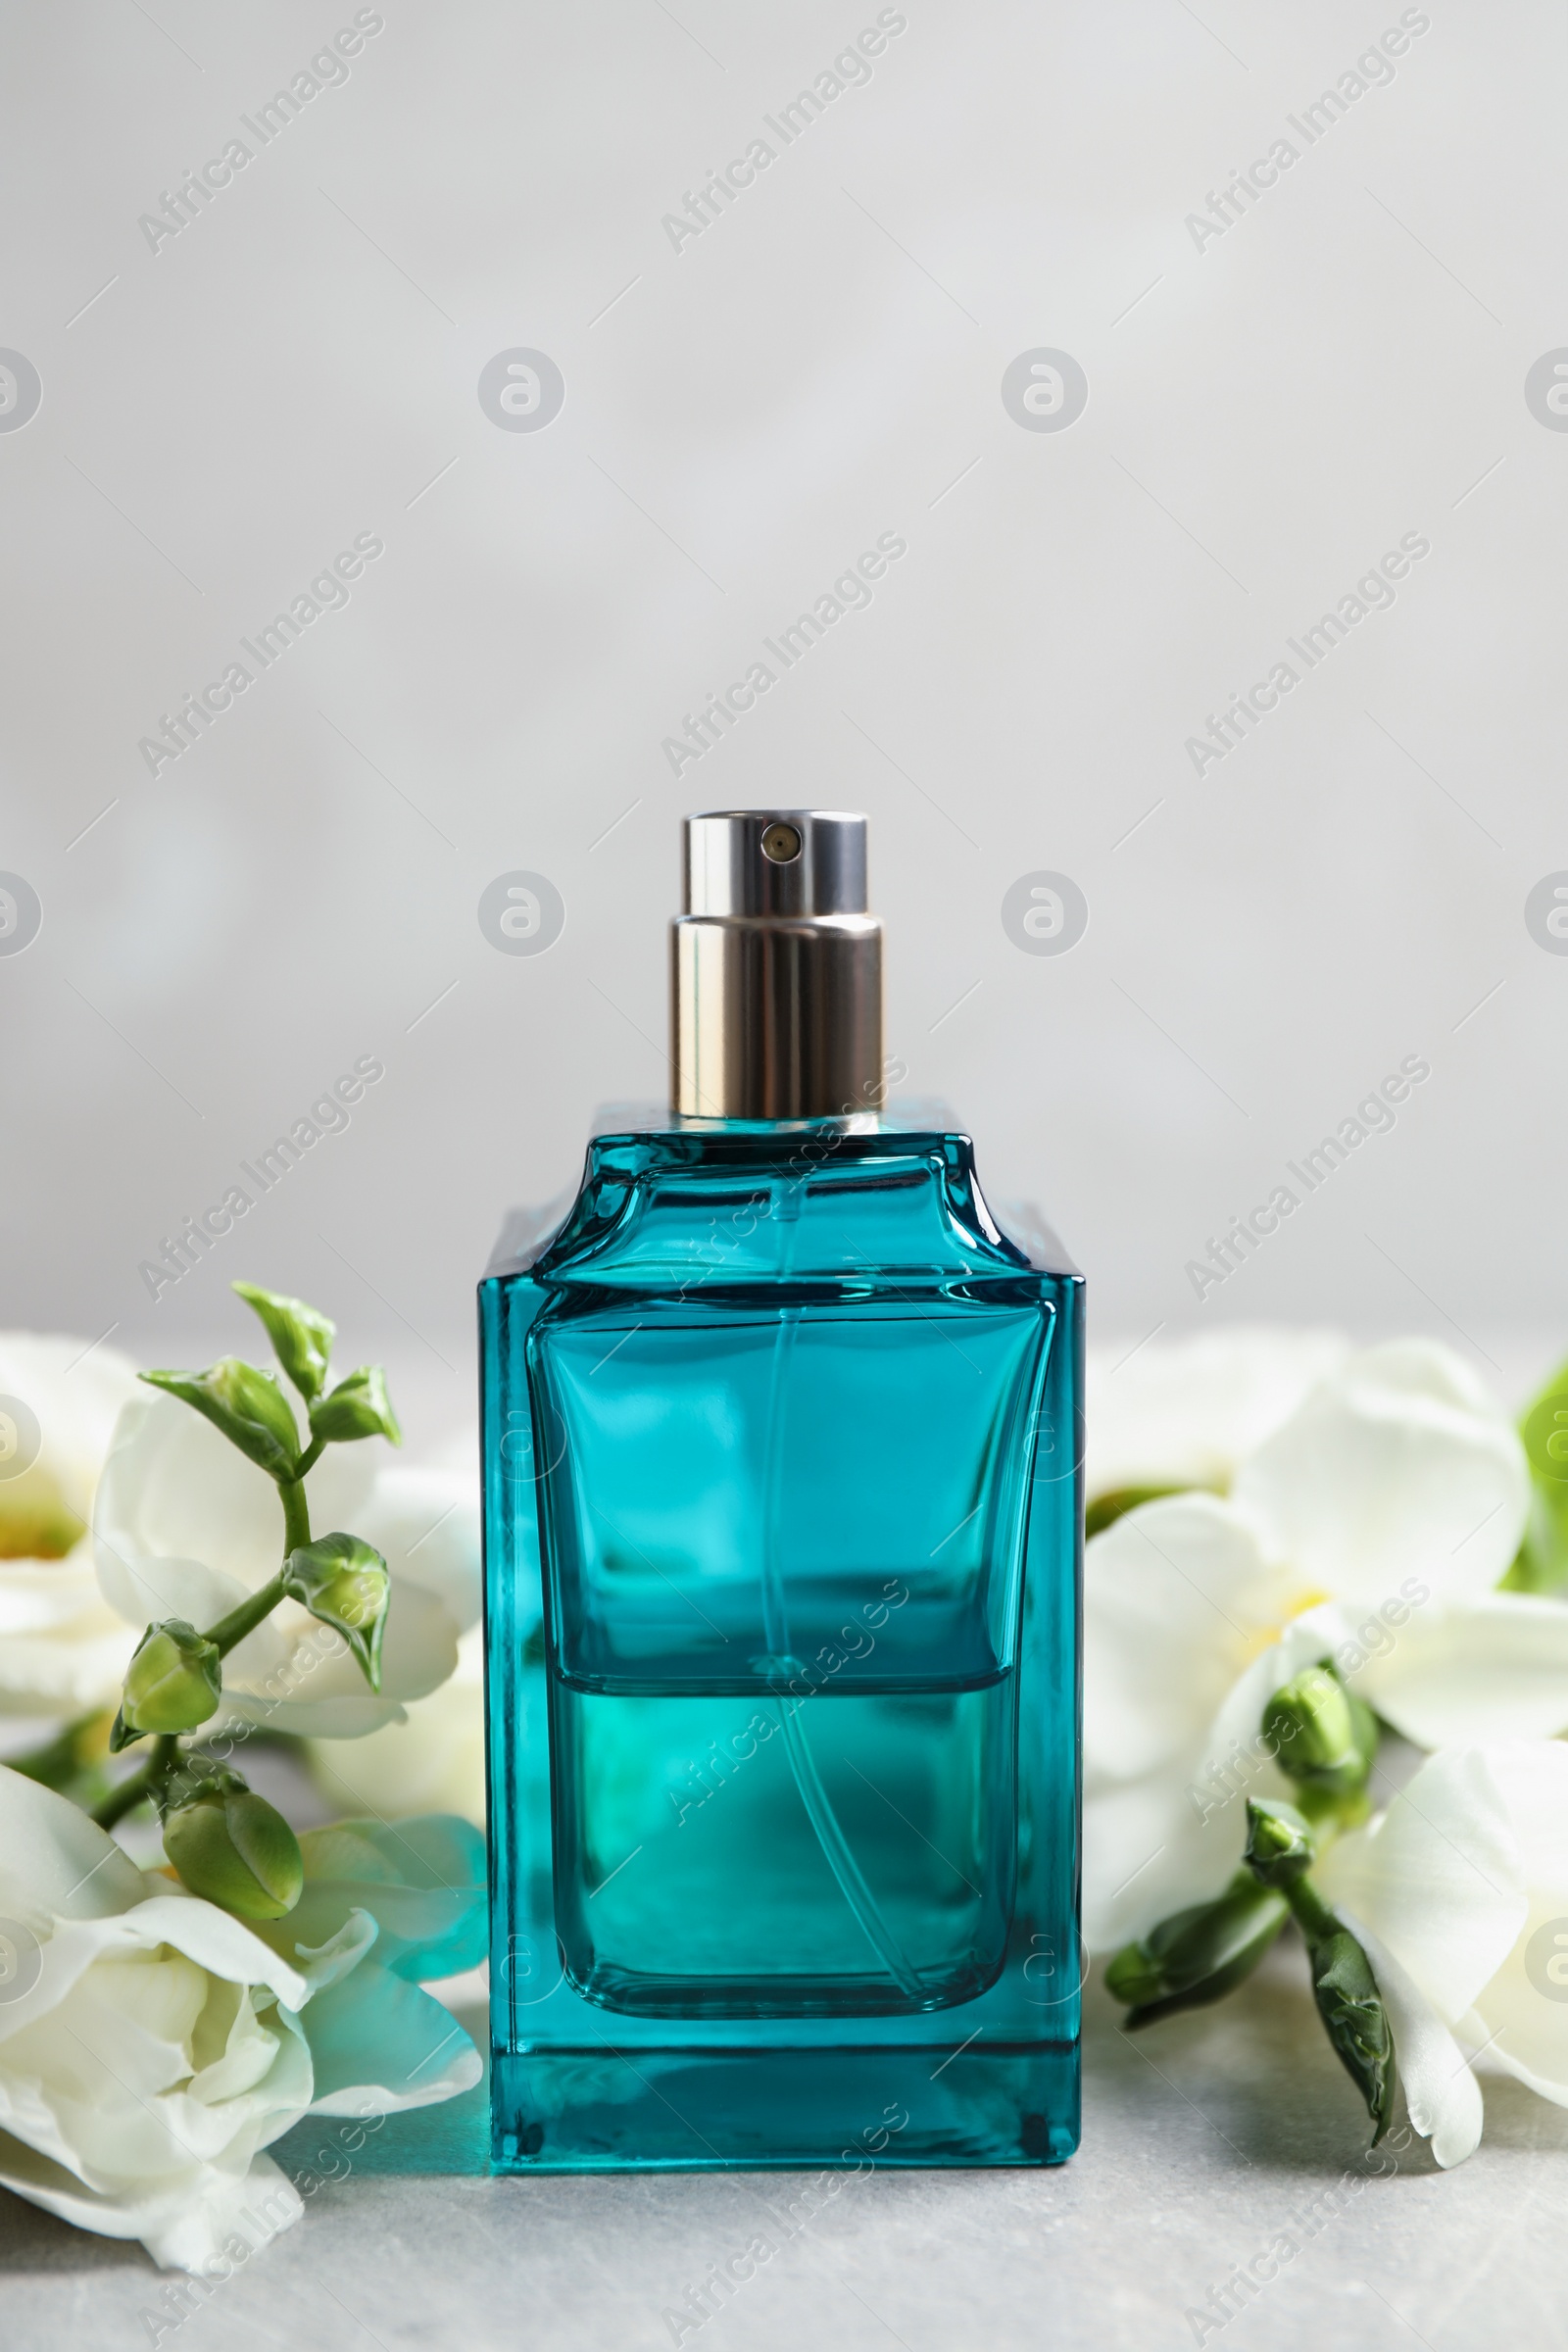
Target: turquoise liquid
(782, 1521)
(699, 1886)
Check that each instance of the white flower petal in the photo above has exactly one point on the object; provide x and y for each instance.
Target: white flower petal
(1235, 1737)
(422, 1879)
(1175, 1837)
(183, 2228)
(216, 1940)
(433, 1763)
(146, 1586)
(1177, 1595)
(1147, 1852)
(74, 1391)
(425, 1525)
(144, 1589)
(37, 1597)
(63, 1651)
(1533, 1777)
(210, 1939)
(1522, 2028)
(1186, 1412)
(174, 1488)
(1439, 1879)
(322, 1964)
(1441, 2093)
(1487, 1669)
(155, 2045)
(1522, 2014)
(56, 1863)
(245, 2059)
(172, 1480)
(1397, 1468)
(344, 1718)
(319, 1688)
(379, 2045)
(138, 2075)
(78, 1672)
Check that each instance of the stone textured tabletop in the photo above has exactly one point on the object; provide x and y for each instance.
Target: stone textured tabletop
(1206, 2140)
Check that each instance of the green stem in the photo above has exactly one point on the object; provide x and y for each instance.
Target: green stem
(1311, 1912)
(232, 1629)
(140, 1785)
(225, 1636)
(152, 1779)
(296, 1510)
(244, 1620)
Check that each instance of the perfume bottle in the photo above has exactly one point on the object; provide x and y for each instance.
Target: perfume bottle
(783, 1514)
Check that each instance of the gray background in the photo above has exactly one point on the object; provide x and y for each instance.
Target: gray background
(1265, 417)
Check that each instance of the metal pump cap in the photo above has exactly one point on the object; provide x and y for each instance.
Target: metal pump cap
(773, 861)
(776, 968)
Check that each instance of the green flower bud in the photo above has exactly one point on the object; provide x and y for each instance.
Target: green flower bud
(1541, 1565)
(301, 1334)
(1321, 1735)
(1355, 2021)
(358, 1408)
(344, 1582)
(1545, 1430)
(1198, 1955)
(247, 1405)
(173, 1683)
(1280, 1844)
(233, 1847)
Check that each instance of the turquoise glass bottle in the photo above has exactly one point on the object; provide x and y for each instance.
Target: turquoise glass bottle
(782, 1436)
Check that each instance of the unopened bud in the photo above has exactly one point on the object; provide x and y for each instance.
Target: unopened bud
(1355, 2021)
(235, 1849)
(1280, 1844)
(1320, 1735)
(355, 1600)
(358, 1408)
(1198, 1955)
(175, 1680)
(247, 1405)
(344, 1582)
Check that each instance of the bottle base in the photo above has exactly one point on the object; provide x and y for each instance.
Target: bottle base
(702, 2109)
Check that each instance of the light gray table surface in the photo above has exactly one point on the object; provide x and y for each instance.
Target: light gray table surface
(1204, 2140)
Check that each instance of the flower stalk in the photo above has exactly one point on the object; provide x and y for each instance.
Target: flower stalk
(1282, 1848)
(1324, 1740)
(140, 1786)
(224, 1841)
(231, 1630)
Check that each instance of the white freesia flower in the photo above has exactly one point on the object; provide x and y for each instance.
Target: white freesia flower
(151, 2045)
(1459, 1892)
(1187, 1412)
(62, 1649)
(433, 1763)
(1372, 1526)
(186, 1526)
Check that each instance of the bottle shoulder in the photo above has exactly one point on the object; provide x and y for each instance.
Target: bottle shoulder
(734, 1204)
